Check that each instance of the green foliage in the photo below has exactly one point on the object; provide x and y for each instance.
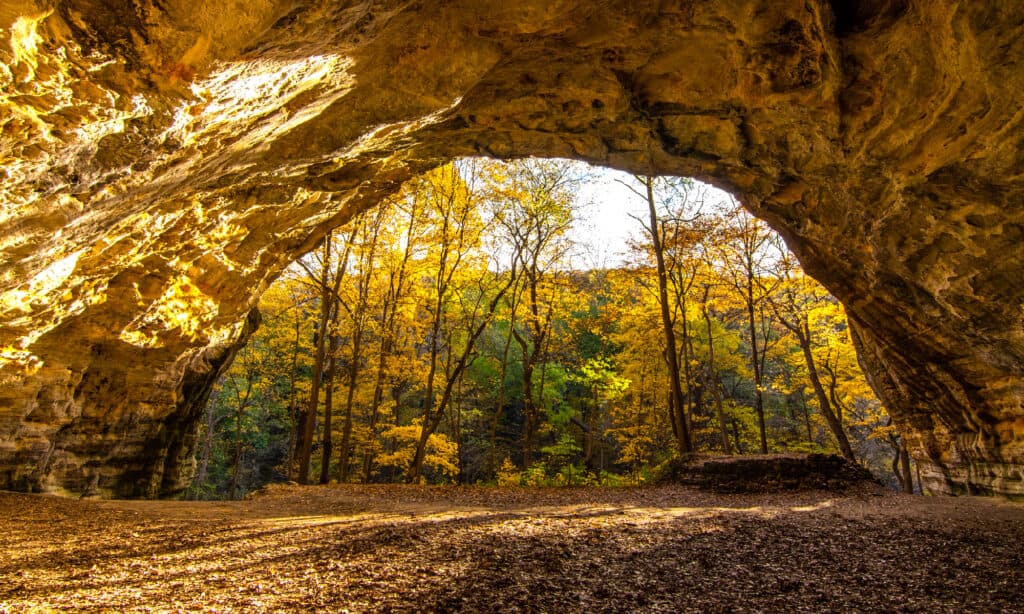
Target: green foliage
(535, 475)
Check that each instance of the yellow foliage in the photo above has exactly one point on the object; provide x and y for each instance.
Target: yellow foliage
(508, 474)
(441, 453)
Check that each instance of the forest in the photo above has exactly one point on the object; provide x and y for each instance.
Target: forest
(451, 335)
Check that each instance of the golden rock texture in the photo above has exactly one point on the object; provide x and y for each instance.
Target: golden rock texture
(164, 160)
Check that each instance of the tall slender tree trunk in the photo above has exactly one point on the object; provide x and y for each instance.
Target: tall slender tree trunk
(540, 402)
(353, 381)
(309, 416)
(293, 405)
(457, 431)
(204, 455)
(532, 352)
(386, 347)
(431, 422)
(908, 482)
(807, 417)
(328, 300)
(396, 291)
(896, 470)
(712, 380)
(237, 464)
(691, 400)
(428, 409)
(590, 421)
(327, 443)
(492, 465)
(378, 398)
(529, 405)
(671, 357)
(454, 370)
(755, 362)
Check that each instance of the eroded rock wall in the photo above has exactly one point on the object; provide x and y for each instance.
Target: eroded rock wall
(163, 161)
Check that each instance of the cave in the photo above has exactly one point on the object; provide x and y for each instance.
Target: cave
(165, 160)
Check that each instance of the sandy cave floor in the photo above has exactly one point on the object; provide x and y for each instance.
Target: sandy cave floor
(400, 549)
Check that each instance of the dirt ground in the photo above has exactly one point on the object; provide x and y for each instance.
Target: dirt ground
(439, 549)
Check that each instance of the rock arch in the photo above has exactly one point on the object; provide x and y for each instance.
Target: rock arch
(165, 160)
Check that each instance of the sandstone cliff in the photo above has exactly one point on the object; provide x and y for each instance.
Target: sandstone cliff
(164, 160)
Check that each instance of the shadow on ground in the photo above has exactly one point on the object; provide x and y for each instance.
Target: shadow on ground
(383, 548)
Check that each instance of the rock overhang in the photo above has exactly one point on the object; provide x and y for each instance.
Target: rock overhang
(165, 161)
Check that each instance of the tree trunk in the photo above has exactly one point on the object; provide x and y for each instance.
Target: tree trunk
(396, 290)
(204, 456)
(590, 420)
(353, 381)
(309, 416)
(755, 362)
(712, 380)
(328, 305)
(457, 433)
(671, 357)
(454, 374)
(691, 399)
(428, 410)
(529, 415)
(237, 465)
(378, 398)
(804, 338)
(327, 443)
(531, 355)
(293, 407)
(492, 466)
(896, 464)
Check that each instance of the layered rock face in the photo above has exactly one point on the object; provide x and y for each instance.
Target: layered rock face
(164, 161)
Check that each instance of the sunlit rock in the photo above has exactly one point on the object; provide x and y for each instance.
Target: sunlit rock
(163, 161)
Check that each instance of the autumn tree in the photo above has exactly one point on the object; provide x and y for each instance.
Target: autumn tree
(656, 234)
(745, 257)
(355, 307)
(639, 423)
(326, 283)
(792, 300)
(536, 217)
(401, 237)
(461, 305)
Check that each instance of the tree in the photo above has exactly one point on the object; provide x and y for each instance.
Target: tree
(602, 386)
(655, 231)
(712, 379)
(356, 308)
(745, 257)
(242, 387)
(671, 238)
(453, 202)
(327, 286)
(791, 301)
(539, 201)
(397, 255)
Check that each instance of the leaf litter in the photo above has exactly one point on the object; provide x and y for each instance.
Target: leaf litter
(386, 548)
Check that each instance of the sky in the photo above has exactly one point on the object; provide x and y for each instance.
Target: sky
(605, 226)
